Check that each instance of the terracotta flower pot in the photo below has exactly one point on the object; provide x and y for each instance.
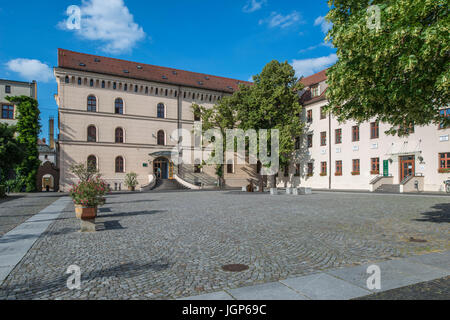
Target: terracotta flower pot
(132, 189)
(85, 213)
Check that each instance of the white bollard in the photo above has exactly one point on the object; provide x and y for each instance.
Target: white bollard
(295, 192)
(288, 190)
(244, 189)
(273, 191)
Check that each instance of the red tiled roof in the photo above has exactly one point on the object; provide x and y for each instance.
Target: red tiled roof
(306, 98)
(97, 64)
(315, 78)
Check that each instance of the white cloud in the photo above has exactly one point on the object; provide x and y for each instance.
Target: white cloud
(278, 20)
(320, 45)
(110, 22)
(31, 69)
(307, 67)
(323, 23)
(253, 5)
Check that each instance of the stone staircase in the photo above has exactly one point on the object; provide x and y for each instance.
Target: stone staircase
(197, 179)
(167, 185)
(388, 188)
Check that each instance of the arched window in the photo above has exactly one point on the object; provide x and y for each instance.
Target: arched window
(103, 84)
(92, 134)
(79, 81)
(161, 138)
(161, 111)
(67, 79)
(91, 83)
(119, 135)
(92, 162)
(118, 106)
(92, 104)
(119, 165)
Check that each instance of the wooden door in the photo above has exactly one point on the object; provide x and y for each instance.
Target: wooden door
(407, 167)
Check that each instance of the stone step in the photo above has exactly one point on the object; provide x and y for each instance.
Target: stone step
(389, 188)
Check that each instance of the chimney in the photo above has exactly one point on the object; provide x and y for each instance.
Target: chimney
(51, 129)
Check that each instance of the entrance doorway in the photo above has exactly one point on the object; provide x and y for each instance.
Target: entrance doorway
(163, 168)
(407, 167)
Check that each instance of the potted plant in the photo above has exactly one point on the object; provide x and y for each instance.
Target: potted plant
(131, 181)
(88, 196)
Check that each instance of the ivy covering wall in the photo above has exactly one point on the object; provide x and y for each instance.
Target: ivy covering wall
(28, 128)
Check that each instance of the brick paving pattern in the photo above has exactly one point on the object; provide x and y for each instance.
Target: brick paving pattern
(432, 290)
(172, 245)
(16, 209)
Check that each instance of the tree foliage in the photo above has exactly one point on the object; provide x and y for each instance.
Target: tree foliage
(10, 151)
(28, 128)
(271, 103)
(398, 73)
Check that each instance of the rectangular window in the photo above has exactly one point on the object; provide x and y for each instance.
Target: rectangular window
(444, 113)
(323, 169)
(323, 138)
(309, 116)
(375, 166)
(310, 140)
(7, 89)
(310, 169)
(374, 130)
(230, 168)
(7, 112)
(355, 133)
(338, 136)
(356, 167)
(298, 143)
(297, 170)
(339, 168)
(315, 91)
(444, 162)
(323, 114)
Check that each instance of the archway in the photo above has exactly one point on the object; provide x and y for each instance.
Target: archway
(48, 183)
(163, 168)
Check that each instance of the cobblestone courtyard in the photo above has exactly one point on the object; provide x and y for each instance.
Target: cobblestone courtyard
(172, 245)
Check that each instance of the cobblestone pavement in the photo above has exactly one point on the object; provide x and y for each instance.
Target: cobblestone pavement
(172, 245)
(432, 290)
(18, 208)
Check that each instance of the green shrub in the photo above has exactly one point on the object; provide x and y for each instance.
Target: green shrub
(2, 191)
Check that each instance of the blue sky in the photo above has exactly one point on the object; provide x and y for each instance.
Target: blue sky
(231, 38)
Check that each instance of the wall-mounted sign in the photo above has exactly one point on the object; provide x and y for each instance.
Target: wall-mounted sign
(338, 150)
(443, 138)
(355, 148)
(323, 151)
(145, 165)
(374, 146)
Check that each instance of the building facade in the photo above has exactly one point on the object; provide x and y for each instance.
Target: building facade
(333, 155)
(14, 88)
(123, 117)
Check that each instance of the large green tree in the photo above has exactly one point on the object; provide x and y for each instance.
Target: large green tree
(273, 103)
(398, 73)
(222, 117)
(28, 128)
(10, 151)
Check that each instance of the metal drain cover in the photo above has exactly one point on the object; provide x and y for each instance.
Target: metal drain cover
(235, 267)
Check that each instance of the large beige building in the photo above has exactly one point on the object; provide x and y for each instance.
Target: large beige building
(122, 115)
(349, 155)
